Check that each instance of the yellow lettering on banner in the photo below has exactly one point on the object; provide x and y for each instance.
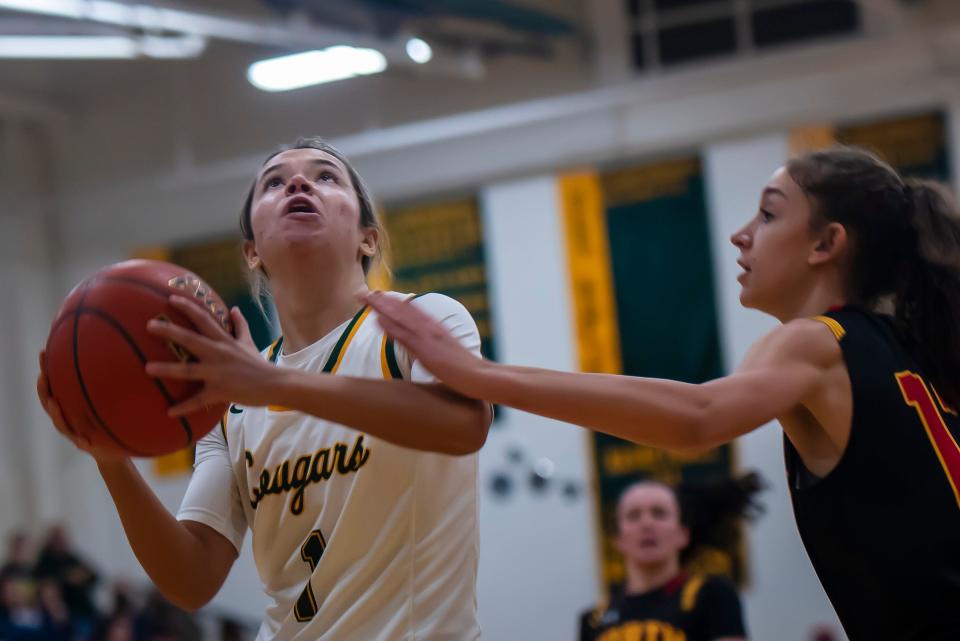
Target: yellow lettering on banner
(912, 140)
(591, 278)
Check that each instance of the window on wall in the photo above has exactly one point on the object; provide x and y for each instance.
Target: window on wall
(671, 32)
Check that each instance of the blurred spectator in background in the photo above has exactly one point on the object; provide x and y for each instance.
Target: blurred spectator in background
(57, 561)
(76, 578)
(160, 620)
(52, 599)
(231, 630)
(659, 598)
(25, 618)
(20, 556)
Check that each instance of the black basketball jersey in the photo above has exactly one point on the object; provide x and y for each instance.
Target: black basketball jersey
(695, 608)
(883, 527)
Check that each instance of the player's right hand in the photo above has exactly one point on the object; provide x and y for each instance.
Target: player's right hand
(79, 439)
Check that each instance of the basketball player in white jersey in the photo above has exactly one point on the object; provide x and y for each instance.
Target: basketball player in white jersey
(360, 492)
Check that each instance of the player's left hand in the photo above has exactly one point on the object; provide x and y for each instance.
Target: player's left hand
(230, 367)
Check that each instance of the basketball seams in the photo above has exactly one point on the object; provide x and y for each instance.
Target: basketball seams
(97, 301)
(63, 318)
(77, 312)
(143, 359)
(166, 293)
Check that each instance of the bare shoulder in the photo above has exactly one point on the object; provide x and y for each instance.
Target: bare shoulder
(802, 340)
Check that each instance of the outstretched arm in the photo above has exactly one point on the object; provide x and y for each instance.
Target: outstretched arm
(426, 417)
(780, 372)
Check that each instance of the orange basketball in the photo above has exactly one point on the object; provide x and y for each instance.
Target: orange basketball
(98, 346)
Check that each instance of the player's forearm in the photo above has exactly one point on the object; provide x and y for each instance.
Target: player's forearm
(657, 412)
(425, 417)
(661, 413)
(170, 554)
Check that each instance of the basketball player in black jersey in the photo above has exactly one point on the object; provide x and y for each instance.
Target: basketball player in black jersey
(866, 399)
(659, 599)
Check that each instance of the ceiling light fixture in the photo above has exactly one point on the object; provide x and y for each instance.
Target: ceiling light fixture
(419, 50)
(100, 47)
(314, 67)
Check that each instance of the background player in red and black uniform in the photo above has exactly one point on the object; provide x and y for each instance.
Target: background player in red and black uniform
(865, 401)
(659, 600)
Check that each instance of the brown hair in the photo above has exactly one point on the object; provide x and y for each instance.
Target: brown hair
(905, 237)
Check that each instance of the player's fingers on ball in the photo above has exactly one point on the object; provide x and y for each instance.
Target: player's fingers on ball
(201, 318)
(82, 441)
(194, 343)
(241, 328)
(183, 371)
(43, 389)
(59, 422)
(192, 404)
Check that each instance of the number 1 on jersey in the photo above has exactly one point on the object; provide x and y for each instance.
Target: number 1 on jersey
(916, 395)
(312, 549)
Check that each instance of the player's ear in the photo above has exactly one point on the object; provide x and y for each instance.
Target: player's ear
(369, 242)
(251, 255)
(829, 243)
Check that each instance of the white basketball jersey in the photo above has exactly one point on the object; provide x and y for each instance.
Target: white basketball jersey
(353, 537)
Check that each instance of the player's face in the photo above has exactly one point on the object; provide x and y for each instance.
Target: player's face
(304, 198)
(649, 527)
(775, 246)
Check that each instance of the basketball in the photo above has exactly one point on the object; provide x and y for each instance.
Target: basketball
(98, 346)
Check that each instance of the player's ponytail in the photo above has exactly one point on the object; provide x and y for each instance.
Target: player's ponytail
(927, 301)
(714, 514)
(905, 239)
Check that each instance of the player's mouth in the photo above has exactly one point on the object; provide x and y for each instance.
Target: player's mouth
(300, 206)
(745, 267)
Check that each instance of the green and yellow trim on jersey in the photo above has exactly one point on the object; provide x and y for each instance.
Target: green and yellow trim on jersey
(388, 359)
(223, 424)
(388, 353)
(273, 352)
(838, 331)
(336, 356)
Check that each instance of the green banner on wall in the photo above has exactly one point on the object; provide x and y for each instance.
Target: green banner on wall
(915, 145)
(438, 247)
(656, 261)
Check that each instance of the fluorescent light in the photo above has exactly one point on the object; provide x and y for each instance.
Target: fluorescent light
(172, 46)
(67, 47)
(419, 51)
(77, 9)
(99, 47)
(314, 67)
